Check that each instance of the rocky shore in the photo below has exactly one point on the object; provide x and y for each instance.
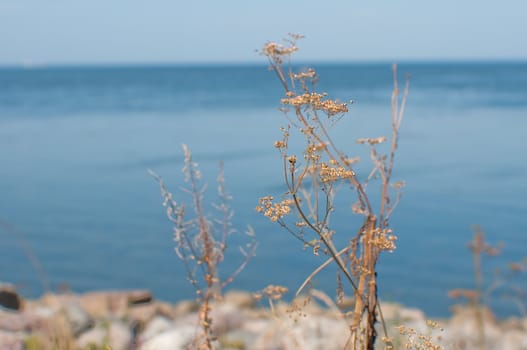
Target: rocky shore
(120, 320)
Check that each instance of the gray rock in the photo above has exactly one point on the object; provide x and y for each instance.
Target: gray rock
(79, 319)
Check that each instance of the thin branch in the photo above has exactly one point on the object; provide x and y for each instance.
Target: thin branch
(317, 270)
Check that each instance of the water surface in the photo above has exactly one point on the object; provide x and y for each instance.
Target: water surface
(76, 143)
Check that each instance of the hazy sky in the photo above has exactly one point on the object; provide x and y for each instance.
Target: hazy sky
(175, 31)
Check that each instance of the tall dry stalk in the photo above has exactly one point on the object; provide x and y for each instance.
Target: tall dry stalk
(312, 175)
(201, 243)
(478, 297)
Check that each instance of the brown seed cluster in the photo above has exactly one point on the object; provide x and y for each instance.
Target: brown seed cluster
(280, 144)
(317, 102)
(398, 185)
(351, 161)
(372, 141)
(469, 294)
(313, 151)
(518, 266)
(418, 341)
(274, 292)
(384, 239)
(274, 211)
(330, 173)
(275, 49)
(309, 74)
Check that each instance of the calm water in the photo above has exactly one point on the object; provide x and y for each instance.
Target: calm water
(76, 143)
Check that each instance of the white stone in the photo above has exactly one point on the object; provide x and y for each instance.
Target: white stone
(157, 325)
(120, 336)
(94, 336)
(172, 339)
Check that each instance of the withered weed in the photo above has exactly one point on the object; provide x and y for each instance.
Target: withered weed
(201, 243)
(312, 174)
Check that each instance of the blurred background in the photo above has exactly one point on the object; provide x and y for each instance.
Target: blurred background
(92, 95)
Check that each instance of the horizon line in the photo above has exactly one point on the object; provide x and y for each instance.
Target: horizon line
(218, 64)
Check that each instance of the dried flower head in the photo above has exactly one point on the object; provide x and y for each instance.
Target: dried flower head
(280, 144)
(275, 49)
(417, 341)
(469, 294)
(317, 102)
(274, 211)
(332, 173)
(384, 239)
(351, 161)
(398, 185)
(517, 267)
(308, 74)
(372, 141)
(274, 292)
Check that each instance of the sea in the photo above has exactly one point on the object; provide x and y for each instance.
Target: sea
(80, 211)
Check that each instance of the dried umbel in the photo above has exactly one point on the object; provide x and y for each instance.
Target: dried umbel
(418, 341)
(274, 292)
(317, 102)
(330, 173)
(274, 211)
(313, 173)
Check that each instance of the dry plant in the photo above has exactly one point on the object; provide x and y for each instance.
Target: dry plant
(508, 282)
(201, 243)
(418, 341)
(273, 294)
(55, 334)
(478, 297)
(504, 280)
(312, 174)
(514, 279)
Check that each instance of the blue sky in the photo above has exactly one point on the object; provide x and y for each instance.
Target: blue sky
(201, 31)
